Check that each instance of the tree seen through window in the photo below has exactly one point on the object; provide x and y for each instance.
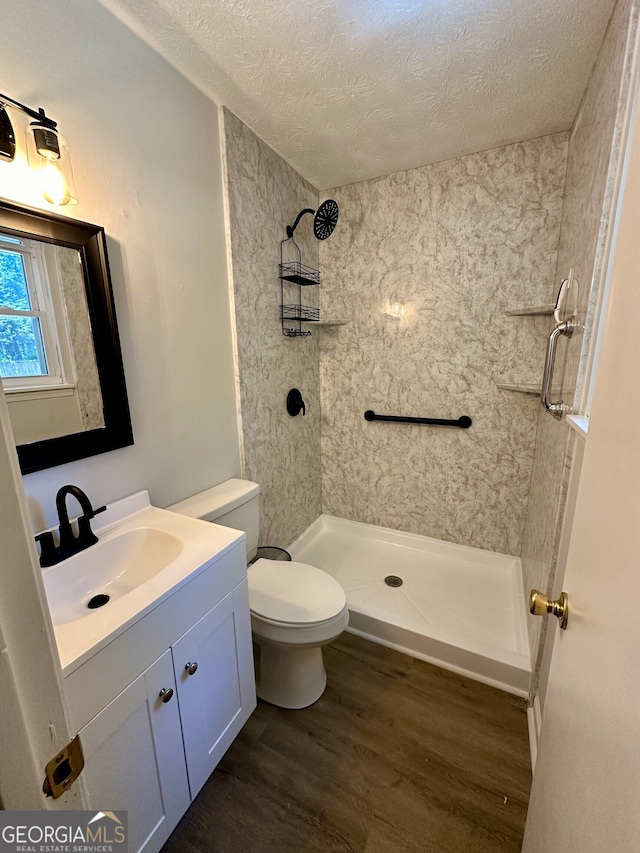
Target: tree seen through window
(21, 348)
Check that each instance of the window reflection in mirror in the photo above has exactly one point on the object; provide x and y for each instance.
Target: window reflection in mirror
(60, 360)
(47, 360)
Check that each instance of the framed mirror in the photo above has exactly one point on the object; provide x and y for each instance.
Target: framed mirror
(60, 358)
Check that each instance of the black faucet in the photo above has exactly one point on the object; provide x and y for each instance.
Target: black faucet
(68, 542)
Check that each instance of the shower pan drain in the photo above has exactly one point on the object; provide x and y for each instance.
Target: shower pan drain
(98, 601)
(393, 580)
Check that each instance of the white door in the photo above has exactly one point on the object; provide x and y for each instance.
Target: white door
(34, 724)
(586, 787)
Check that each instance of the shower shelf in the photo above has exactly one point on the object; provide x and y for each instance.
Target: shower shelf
(328, 322)
(304, 313)
(522, 387)
(535, 311)
(299, 273)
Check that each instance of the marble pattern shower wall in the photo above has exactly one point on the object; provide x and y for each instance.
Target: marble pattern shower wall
(592, 162)
(458, 243)
(280, 453)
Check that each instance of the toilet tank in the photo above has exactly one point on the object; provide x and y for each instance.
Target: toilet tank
(234, 503)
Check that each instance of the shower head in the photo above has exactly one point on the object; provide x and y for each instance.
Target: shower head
(324, 220)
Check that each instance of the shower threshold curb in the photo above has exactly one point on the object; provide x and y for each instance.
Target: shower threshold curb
(510, 677)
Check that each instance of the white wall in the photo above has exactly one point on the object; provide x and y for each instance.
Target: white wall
(145, 148)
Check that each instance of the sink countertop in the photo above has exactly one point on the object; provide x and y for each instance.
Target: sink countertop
(203, 544)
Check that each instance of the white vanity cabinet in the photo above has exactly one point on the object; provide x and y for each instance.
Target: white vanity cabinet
(134, 758)
(214, 683)
(149, 750)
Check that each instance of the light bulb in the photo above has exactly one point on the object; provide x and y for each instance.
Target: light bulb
(53, 185)
(49, 160)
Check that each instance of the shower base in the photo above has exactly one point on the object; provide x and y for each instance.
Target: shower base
(460, 608)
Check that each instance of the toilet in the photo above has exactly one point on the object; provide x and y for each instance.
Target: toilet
(295, 608)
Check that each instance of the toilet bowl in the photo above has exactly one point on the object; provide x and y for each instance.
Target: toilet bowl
(295, 608)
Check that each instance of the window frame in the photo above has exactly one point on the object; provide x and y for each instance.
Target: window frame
(45, 291)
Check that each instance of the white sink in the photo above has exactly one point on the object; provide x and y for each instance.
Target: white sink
(143, 556)
(106, 571)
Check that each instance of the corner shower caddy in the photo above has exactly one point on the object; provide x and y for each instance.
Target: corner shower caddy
(295, 274)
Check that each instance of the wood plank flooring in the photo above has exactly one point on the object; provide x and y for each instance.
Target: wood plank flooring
(397, 756)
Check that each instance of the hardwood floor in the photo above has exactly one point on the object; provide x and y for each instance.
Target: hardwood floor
(396, 757)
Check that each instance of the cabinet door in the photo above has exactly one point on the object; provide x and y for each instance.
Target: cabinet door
(134, 758)
(214, 672)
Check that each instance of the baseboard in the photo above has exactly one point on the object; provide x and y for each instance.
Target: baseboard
(534, 719)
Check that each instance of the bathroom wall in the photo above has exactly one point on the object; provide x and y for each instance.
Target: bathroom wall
(145, 148)
(458, 244)
(593, 159)
(280, 452)
(69, 273)
(596, 149)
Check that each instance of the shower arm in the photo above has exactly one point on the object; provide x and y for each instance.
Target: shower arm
(292, 228)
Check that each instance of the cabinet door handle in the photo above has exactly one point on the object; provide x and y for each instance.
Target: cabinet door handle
(166, 694)
(190, 668)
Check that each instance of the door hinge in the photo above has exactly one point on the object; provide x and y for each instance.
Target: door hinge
(63, 769)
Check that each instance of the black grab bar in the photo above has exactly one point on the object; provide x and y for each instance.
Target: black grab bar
(464, 422)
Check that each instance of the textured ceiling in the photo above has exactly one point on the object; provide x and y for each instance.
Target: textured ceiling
(347, 90)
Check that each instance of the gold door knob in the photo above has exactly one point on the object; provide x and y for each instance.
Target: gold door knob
(540, 605)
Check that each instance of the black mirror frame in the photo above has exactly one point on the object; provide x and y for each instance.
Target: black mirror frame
(90, 242)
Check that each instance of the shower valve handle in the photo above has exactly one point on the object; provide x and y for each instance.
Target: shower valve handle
(295, 403)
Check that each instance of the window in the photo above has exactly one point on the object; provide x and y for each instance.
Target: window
(31, 351)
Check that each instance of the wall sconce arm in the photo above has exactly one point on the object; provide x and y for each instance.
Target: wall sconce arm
(39, 115)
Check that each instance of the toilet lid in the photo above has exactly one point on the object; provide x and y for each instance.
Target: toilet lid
(293, 592)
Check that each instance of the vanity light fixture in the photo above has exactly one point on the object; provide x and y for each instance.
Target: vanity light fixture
(47, 152)
(7, 136)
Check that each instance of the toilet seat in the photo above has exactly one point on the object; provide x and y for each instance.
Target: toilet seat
(299, 636)
(293, 594)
